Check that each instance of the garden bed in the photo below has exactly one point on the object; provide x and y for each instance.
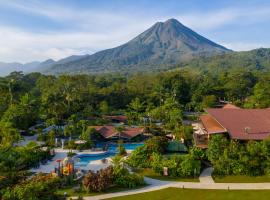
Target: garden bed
(151, 174)
(71, 193)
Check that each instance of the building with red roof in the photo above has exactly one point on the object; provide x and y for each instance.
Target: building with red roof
(237, 123)
(111, 132)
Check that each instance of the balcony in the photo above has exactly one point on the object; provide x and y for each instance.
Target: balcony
(200, 136)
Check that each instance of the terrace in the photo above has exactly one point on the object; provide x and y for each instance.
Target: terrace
(200, 136)
(204, 129)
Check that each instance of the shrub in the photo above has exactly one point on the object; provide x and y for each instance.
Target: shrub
(99, 181)
(190, 167)
(139, 158)
(173, 164)
(129, 180)
(156, 163)
(157, 144)
(234, 158)
(40, 187)
(122, 177)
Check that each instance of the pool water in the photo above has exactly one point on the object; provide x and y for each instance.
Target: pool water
(112, 150)
(84, 159)
(128, 146)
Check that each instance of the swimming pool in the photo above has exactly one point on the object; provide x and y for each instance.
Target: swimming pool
(85, 159)
(113, 146)
(112, 150)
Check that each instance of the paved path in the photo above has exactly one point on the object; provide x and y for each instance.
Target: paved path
(205, 176)
(190, 185)
(206, 182)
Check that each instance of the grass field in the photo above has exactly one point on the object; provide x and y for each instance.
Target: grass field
(242, 179)
(193, 194)
(151, 174)
(70, 191)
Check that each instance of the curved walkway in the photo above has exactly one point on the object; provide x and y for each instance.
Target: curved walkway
(206, 182)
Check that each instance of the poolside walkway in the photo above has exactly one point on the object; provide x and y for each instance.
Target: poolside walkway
(50, 165)
(206, 182)
(62, 153)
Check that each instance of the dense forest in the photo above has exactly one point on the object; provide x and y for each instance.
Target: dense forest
(26, 99)
(256, 60)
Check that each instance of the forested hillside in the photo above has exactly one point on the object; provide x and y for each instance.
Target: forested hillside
(258, 59)
(28, 98)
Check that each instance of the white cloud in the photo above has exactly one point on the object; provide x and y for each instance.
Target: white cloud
(219, 18)
(18, 45)
(209, 20)
(244, 46)
(92, 30)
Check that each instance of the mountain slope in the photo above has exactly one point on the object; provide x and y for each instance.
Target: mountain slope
(7, 68)
(257, 59)
(165, 43)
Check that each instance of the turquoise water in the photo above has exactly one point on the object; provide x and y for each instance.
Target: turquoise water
(85, 159)
(128, 146)
(112, 150)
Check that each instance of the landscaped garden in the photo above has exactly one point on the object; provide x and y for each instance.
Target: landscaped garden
(67, 107)
(154, 175)
(239, 161)
(150, 160)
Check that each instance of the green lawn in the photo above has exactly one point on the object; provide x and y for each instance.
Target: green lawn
(194, 194)
(151, 174)
(241, 179)
(70, 191)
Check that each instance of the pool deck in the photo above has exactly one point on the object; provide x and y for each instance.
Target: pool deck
(50, 165)
(91, 153)
(97, 165)
(62, 153)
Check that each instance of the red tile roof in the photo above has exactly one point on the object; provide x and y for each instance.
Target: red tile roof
(211, 125)
(105, 131)
(243, 124)
(110, 131)
(131, 132)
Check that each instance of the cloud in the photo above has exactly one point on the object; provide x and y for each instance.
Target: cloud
(90, 29)
(209, 20)
(244, 46)
(228, 16)
(23, 46)
(85, 19)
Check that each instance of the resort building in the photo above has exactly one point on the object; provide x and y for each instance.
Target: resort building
(237, 123)
(111, 132)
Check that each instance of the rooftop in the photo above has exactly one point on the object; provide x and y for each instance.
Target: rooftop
(243, 124)
(211, 125)
(109, 131)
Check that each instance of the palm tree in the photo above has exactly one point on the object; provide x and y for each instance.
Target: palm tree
(119, 130)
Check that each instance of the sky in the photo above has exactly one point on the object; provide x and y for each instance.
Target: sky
(36, 30)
